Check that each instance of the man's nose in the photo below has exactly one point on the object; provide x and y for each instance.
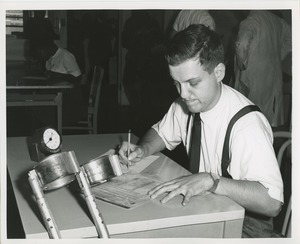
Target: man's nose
(184, 92)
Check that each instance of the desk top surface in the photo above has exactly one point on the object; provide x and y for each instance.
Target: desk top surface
(29, 83)
(71, 213)
(41, 87)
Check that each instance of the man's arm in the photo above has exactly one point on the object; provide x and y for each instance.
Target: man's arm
(252, 195)
(55, 76)
(152, 143)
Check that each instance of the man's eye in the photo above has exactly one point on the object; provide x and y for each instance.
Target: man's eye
(194, 83)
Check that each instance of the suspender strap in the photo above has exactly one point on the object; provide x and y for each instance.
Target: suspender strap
(225, 153)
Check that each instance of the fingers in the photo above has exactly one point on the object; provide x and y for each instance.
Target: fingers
(160, 189)
(187, 198)
(126, 162)
(160, 186)
(173, 192)
(172, 187)
(136, 153)
(123, 150)
(180, 186)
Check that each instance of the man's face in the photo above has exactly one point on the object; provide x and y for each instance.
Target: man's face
(198, 89)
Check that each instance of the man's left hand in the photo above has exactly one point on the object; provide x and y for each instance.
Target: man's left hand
(188, 186)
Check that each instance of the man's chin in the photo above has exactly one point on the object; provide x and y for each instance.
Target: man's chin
(194, 107)
(194, 110)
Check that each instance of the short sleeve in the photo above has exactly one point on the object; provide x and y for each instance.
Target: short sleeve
(253, 157)
(71, 65)
(172, 128)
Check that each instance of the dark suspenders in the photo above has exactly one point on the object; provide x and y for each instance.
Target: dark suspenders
(225, 154)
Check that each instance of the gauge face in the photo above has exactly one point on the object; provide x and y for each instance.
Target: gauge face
(51, 139)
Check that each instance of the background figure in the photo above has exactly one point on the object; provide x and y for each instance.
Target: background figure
(75, 42)
(188, 17)
(143, 38)
(37, 29)
(224, 22)
(227, 24)
(61, 65)
(97, 43)
(263, 41)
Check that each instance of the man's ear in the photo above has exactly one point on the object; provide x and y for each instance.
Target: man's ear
(220, 72)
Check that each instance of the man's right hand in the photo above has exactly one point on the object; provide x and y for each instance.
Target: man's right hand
(136, 153)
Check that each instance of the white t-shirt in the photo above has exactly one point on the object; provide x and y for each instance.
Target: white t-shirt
(250, 145)
(63, 62)
(188, 17)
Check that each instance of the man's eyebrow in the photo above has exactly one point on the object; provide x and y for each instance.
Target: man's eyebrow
(192, 79)
(189, 80)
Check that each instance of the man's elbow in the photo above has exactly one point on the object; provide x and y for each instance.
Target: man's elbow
(274, 208)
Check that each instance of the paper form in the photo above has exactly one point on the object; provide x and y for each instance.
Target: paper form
(128, 190)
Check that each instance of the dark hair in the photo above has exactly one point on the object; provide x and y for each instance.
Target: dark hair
(196, 41)
(42, 43)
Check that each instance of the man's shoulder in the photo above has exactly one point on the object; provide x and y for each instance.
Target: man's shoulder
(64, 51)
(234, 97)
(236, 102)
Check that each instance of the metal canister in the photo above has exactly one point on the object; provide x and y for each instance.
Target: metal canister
(102, 168)
(57, 170)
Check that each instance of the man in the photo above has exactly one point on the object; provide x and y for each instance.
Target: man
(195, 57)
(142, 37)
(188, 17)
(38, 28)
(60, 65)
(263, 42)
(59, 62)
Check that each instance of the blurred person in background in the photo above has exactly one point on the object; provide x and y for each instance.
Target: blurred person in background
(192, 16)
(263, 41)
(60, 65)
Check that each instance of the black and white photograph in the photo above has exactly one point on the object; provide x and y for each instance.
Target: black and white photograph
(162, 121)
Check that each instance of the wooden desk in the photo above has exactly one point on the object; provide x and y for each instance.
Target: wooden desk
(205, 216)
(38, 95)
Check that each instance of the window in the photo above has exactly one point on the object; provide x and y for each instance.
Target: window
(14, 21)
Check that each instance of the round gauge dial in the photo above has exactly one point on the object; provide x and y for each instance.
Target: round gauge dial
(52, 139)
(44, 142)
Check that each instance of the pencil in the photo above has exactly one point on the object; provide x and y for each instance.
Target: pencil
(128, 145)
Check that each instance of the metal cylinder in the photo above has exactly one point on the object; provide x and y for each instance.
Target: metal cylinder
(102, 168)
(57, 170)
(93, 208)
(46, 213)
